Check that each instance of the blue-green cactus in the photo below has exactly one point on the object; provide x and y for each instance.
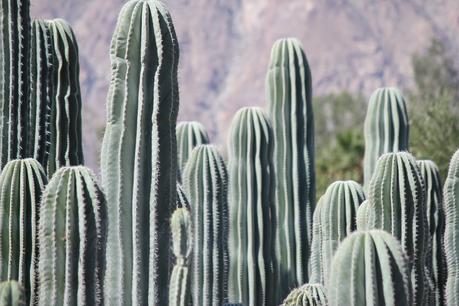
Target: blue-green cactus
(189, 135)
(12, 294)
(307, 295)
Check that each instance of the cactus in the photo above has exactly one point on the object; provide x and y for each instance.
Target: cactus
(451, 205)
(12, 294)
(370, 268)
(72, 236)
(386, 128)
(290, 100)
(21, 186)
(396, 199)
(334, 219)
(205, 183)
(65, 148)
(189, 135)
(14, 79)
(138, 157)
(436, 226)
(250, 208)
(179, 294)
(307, 295)
(363, 216)
(41, 92)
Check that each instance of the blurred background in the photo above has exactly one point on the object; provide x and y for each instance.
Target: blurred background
(353, 47)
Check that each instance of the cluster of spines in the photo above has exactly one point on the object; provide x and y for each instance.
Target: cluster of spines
(205, 183)
(307, 295)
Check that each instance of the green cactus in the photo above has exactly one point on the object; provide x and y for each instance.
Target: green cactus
(370, 268)
(436, 225)
(396, 198)
(65, 148)
(41, 91)
(21, 185)
(205, 183)
(189, 135)
(307, 295)
(363, 216)
(386, 128)
(12, 294)
(451, 240)
(138, 157)
(334, 219)
(72, 236)
(251, 197)
(289, 94)
(14, 79)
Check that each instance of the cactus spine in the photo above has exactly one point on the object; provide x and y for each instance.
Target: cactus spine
(396, 199)
(436, 226)
(307, 295)
(72, 235)
(289, 94)
(139, 154)
(386, 128)
(251, 204)
(370, 268)
(334, 219)
(189, 135)
(451, 204)
(21, 186)
(11, 294)
(14, 79)
(205, 183)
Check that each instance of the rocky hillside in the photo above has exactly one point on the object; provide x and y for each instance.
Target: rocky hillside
(356, 45)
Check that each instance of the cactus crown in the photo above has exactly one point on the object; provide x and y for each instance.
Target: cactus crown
(181, 233)
(307, 295)
(12, 294)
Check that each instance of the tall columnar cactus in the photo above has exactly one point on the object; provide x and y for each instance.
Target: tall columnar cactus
(65, 148)
(451, 205)
(180, 288)
(289, 94)
(12, 294)
(72, 237)
(334, 219)
(436, 227)
(370, 268)
(251, 197)
(396, 199)
(386, 128)
(189, 135)
(139, 159)
(41, 91)
(14, 78)
(21, 186)
(205, 183)
(307, 295)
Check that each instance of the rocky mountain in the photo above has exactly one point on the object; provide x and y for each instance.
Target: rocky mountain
(354, 45)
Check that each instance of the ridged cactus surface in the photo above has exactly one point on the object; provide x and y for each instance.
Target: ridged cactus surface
(12, 294)
(307, 295)
(14, 79)
(21, 186)
(363, 215)
(289, 94)
(370, 268)
(180, 287)
(397, 204)
(139, 159)
(189, 135)
(334, 220)
(72, 237)
(436, 227)
(451, 205)
(205, 183)
(251, 203)
(386, 128)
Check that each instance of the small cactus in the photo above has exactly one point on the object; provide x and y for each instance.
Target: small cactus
(334, 219)
(370, 268)
(189, 135)
(451, 205)
(363, 216)
(12, 294)
(386, 128)
(307, 295)
(205, 182)
(72, 236)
